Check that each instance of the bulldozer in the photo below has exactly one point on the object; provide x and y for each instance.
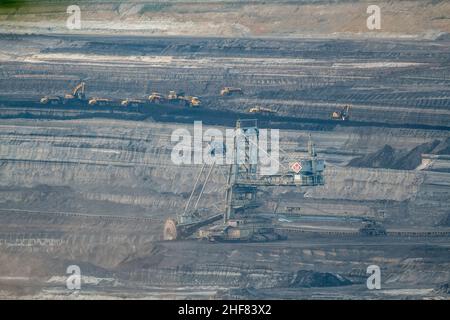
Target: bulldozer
(228, 91)
(343, 114)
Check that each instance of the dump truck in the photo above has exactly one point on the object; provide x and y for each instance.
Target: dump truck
(51, 100)
(177, 98)
(99, 101)
(156, 97)
(342, 115)
(174, 96)
(132, 103)
(228, 91)
(190, 101)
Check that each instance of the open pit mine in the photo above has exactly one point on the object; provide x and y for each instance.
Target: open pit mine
(358, 131)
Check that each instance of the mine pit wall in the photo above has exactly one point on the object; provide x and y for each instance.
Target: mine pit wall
(231, 18)
(125, 251)
(389, 87)
(124, 168)
(101, 240)
(209, 276)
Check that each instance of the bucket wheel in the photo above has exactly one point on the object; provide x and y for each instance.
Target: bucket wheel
(170, 230)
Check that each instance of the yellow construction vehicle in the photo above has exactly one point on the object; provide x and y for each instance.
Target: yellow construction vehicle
(194, 102)
(228, 91)
(132, 102)
(99, 101)
(342, 115)
(173, 96)
(261, 110)
(178, 98)
(156, 97)
(51, 100)
(77, 93)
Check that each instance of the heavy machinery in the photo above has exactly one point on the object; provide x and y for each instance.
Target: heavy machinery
(173, 96)
(99, 102)
(343, 114)
(190, 220)
(78, 93)
(132, 103)
(240, 222)
(194, 102)
(372, 227)
(228, 91)
(156, 97)
(261, 110)
(189, 101)
(51, 100)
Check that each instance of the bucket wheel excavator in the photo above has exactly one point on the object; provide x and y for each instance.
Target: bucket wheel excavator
(239, 221)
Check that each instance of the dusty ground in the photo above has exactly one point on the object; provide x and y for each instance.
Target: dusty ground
(93, 188)
(274, 18)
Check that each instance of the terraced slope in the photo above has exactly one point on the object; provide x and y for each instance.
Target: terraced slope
(232, 18)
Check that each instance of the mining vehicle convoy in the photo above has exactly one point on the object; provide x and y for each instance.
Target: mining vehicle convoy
(229, 91)
(342, 115)
(239, 223)
(78, 97)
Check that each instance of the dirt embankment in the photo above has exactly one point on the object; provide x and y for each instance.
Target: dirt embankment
(232, 18)
(390, 158)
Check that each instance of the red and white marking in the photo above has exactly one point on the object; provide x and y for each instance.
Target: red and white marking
(296, 167)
